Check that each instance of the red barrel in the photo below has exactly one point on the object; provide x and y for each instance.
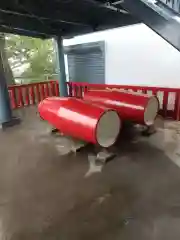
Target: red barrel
(82, 120)
(137, 107)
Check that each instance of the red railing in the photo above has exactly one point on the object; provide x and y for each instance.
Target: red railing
(169, 98)
(30, 94)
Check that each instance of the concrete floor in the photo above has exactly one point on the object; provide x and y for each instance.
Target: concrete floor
(45, 195)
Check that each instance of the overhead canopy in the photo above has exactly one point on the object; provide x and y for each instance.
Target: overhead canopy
(65, 18)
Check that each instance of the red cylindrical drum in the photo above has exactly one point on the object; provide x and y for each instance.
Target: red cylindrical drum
(136, 107)
(82, 120)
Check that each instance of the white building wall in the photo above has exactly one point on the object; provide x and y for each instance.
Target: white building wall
(135, 55)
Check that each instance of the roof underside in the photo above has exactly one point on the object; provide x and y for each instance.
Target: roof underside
(65, 18)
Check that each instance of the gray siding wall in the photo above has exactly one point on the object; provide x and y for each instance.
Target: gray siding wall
(86, 62)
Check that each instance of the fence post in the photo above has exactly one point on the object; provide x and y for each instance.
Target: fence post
(165, 103)
(20, 97)
(177, 107)
(13, 99)
(27, 96)
(38, 94)
(42, 91)
(69, 85)
(32, 94)
(57, 89)
(47, 89)
(154, 92)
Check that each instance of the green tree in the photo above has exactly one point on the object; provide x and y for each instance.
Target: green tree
(36, 56)
(4, 58)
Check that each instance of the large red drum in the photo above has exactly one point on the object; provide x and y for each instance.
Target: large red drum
(137, 107)
(82, 120)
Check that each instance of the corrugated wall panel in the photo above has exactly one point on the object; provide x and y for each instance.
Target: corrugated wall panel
(87, 65)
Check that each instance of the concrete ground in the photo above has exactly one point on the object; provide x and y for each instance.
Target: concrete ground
(46, 194)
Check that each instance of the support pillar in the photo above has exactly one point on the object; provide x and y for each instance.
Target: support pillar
(61, 67)
(5, 108)
(6, 118)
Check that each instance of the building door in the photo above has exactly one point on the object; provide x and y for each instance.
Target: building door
(86, 62)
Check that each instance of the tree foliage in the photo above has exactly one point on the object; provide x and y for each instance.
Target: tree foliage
(4, 61)
(35, 56)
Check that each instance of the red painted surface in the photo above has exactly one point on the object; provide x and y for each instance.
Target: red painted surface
(42, 92)
(27, 99)
(30, 94)
(168, 108)
(130, 106)
(73, 117)
(56, 86)
(12, 97)
(20, 99)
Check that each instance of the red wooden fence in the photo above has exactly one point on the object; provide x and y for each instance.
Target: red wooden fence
(169, 97)
(30, 94)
